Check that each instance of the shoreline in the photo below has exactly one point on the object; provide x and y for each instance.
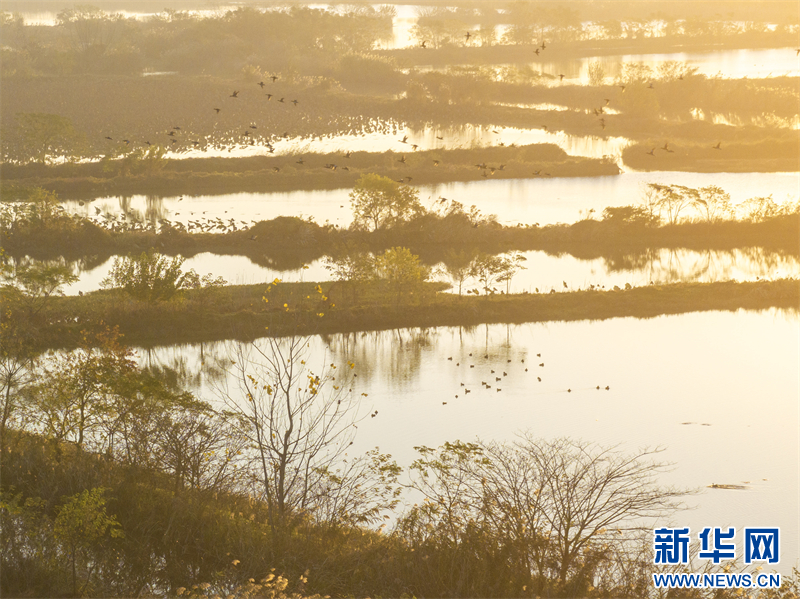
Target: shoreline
(248, 317)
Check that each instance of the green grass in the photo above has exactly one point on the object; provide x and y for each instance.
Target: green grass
(240, 312)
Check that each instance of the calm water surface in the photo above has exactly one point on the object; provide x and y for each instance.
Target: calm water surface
(719, 390)
(535, 200)
(542, 272)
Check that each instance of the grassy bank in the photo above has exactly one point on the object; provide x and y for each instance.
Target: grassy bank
(289, 242)
(721, 156)
(240, 312)
(303, 171)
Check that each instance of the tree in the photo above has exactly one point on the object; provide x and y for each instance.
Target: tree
(487, 268)
(592, 493)
(713, 203)
(351, 264)
(298, 423)
(379, 202)
(458, 266)
(82, 524)
(549, 512)
(150, 276)
(42, 135)
(401, 270)
(671, 200)
(84, 391)
(596, 73)
(509, 266)
(17, 361)
(36, 282)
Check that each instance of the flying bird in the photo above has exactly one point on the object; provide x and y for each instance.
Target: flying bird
(235, 94)
(718, 146)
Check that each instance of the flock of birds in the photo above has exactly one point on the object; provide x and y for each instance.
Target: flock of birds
(248, 136)
(125, 223)
(496, 377)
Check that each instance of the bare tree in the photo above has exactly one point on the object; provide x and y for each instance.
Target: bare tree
(592, 495)
(298, 423)
(559, 512)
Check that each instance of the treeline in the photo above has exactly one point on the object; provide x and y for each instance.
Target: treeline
(669, 216)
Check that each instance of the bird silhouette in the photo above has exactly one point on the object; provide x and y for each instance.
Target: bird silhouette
(651, 152)
(561, 77)
(718, 146)
(423, 44)
(404, 140)
(536, 51)
(217, 109)
(269, 97)
(402, 159)
(274, 78)
(281, 100)
(435, 163)
(235, 94)
(295, 102)
(261, 84)
(468, 35)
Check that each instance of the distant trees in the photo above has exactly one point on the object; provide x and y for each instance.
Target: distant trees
(40, 136)
(597, 73)
(402, 271)
(379, 202)
(668, 202)
(152, 277)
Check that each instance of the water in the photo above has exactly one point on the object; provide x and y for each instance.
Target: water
(539, 200)
(428, 138)
(726, 63)
(541, 271)
(718, 391)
